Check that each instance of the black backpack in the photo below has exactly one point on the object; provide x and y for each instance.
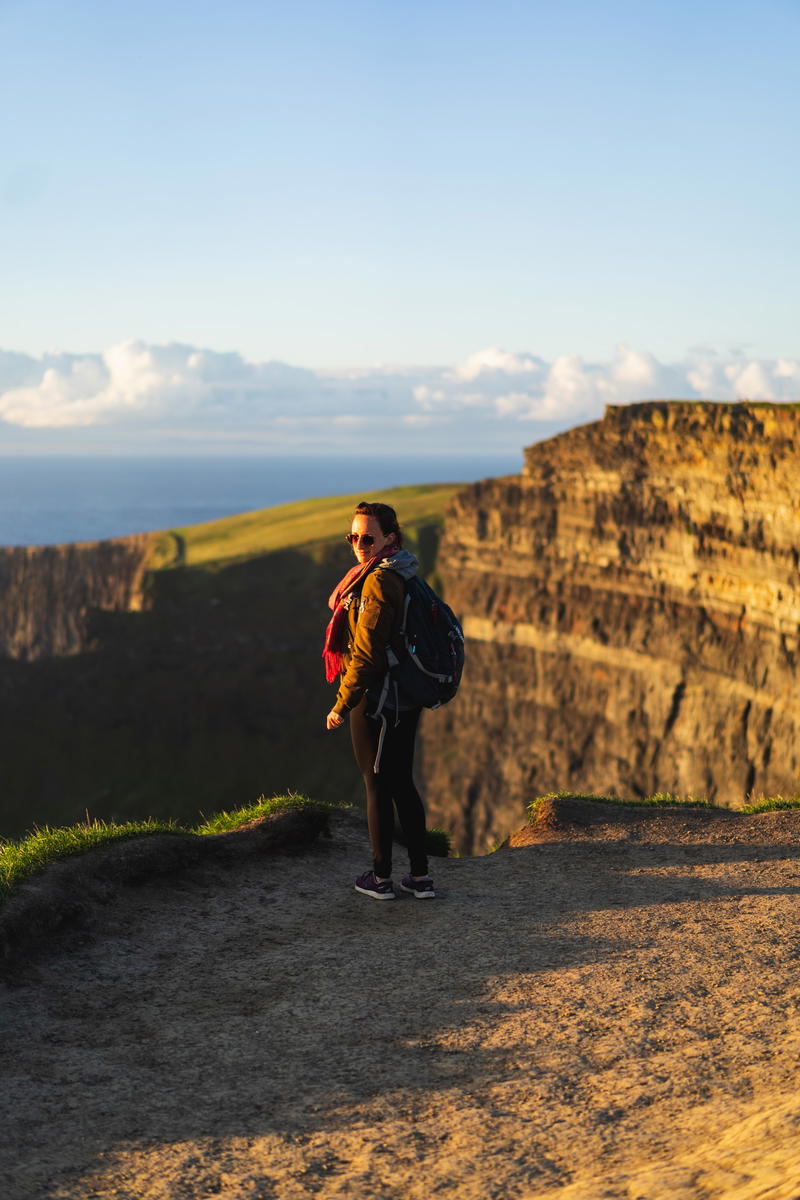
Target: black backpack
(427, 670)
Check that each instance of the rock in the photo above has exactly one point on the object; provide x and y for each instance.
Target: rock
(631, 604)
(51, 595)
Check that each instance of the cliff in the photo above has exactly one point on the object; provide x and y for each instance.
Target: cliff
(631, 604)
(49, 595)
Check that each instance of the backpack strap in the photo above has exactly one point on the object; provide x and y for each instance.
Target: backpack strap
(412, 650)
(382, 698)
(377, 765)
(433, 674)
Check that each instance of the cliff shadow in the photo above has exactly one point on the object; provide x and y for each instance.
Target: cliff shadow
(211, 695)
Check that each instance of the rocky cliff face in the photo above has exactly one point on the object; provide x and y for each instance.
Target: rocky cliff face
(49, 595)
(631, 603)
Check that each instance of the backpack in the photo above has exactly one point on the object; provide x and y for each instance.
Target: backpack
(428, 670)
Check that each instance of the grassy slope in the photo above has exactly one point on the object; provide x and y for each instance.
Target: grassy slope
(19, 860)
(300, 525)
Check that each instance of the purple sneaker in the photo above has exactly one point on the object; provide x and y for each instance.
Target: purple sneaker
(378, 889)
(421, 888)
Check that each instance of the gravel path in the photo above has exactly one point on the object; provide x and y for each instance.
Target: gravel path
(573, 1020)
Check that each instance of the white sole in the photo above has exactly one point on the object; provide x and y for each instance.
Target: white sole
(419, 895)
(375, 895)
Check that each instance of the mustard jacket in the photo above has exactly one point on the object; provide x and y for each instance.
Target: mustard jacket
(374, 618)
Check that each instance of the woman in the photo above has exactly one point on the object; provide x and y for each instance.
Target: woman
(367, 614)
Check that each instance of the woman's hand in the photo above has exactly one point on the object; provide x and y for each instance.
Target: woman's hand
(333, 720)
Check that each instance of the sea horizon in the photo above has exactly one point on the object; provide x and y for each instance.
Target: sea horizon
(52, 500)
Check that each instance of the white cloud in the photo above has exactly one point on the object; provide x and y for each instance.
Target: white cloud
(751, 381)
(137, 381)
(496, 362)
(784, 369)
(702, 378)
(571, 389)
(61, 397)
(189, 392)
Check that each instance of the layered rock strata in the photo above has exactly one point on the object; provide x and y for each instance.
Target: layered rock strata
(631, 603)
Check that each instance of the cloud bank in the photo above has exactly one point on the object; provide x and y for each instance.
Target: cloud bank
(145, 393)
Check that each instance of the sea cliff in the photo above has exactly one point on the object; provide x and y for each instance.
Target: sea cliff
(50, 595)
(631, 603)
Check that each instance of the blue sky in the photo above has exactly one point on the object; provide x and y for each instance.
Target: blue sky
(352, 184)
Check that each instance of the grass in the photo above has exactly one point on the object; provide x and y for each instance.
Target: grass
(223, 822)
(301, 524)
(668, 800)
(770, 804)
(657, 800)
(19, 860)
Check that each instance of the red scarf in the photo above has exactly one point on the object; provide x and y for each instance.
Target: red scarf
(332, 650)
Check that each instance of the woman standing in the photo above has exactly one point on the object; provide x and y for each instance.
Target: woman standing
(367, 614)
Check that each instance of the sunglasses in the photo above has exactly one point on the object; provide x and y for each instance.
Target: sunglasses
(366, 539)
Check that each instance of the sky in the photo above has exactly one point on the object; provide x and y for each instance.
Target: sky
(254, 223)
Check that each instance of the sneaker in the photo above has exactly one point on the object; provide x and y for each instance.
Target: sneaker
(368, 885)
(421, 888)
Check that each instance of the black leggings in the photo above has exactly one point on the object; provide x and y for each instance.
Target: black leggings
(393, 786)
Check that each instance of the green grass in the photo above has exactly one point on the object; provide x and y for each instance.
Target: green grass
(657, 800)
(668, 800)
(291, 526)
(771, 804)
(30, 855)
(223, 822)
(21, 859)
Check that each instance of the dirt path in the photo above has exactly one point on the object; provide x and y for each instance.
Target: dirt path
(576, 1021)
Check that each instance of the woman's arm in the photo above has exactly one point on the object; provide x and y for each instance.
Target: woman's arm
(381, 603)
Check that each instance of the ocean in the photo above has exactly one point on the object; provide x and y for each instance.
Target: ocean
(46, 501)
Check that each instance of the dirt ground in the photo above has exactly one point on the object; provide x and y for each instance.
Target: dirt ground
(591, 1018)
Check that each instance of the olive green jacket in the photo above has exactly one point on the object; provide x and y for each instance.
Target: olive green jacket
(374, 618)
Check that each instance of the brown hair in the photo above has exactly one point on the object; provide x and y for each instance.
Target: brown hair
(384, 514)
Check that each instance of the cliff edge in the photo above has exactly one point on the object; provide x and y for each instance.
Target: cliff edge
(631, 603)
